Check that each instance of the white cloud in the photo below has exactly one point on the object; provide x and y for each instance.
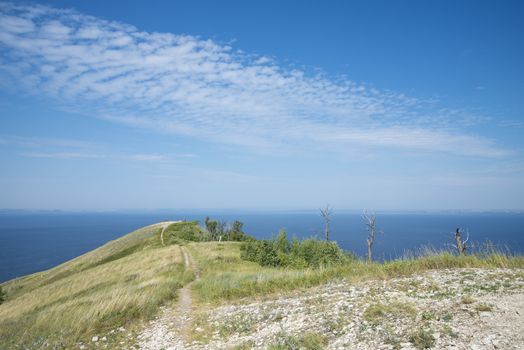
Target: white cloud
(61, 155)
(57, 148)
(186, 85)
(147, 157)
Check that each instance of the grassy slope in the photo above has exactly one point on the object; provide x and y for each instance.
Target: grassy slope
(225, 276)
(124, 280)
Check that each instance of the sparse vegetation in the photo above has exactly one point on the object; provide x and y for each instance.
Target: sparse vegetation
(308, 341)
(447, 330)
(422, 339)
(375, 313)
(428, 316)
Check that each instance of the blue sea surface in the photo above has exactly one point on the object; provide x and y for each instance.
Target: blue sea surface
(36, 242)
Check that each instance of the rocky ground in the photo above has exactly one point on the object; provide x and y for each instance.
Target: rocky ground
(445, 309)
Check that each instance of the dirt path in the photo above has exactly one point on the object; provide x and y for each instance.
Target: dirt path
(185, 300)
(170, 329)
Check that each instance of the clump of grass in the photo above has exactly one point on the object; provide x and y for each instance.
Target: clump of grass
(467, 299)
(390, 337)
(483, 308)
(447, 330)
(375, 313)
(428, 316)
(422, 339)
(446, 317)
(307, 341)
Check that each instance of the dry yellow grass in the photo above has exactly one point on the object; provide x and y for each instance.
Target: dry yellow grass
(124, 280)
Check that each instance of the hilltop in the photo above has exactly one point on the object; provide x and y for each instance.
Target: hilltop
(158, 288)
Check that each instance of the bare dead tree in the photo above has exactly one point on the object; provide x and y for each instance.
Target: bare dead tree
(461, 245)
(370, 220)
(326, 215)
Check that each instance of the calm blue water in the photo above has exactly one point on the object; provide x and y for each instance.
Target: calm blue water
(35, 242)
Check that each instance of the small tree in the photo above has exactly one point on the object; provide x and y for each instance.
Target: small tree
(370, 221)
(2, 296)
(461, 245)
(281, 243)
(211, 227)
(221, 229)
(236, 233)
(326, 215)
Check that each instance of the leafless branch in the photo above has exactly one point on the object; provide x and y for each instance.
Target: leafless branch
(326, 215)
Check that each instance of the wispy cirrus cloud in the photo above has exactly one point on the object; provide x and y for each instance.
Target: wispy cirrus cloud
(62, 155)
(186, 85)
(64, 149)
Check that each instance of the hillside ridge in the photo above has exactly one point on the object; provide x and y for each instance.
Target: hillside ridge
(168, 286)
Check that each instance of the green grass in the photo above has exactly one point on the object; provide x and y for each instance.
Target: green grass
(121, 282)
(224, 276)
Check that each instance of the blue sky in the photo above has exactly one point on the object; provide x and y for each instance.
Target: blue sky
(385, 105)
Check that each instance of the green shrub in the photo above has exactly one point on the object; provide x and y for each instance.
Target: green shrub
(186, 231)
(281, 243)
(317, 252)
(279, 251)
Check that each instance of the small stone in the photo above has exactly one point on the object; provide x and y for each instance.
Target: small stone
(104, 338)
(95, 338)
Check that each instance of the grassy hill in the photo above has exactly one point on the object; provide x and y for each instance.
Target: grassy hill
(123, 283)
(123, 280)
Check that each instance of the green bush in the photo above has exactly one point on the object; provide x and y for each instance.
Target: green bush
(2, 296)
(186, 231)
(317, 252)
(279, 251)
